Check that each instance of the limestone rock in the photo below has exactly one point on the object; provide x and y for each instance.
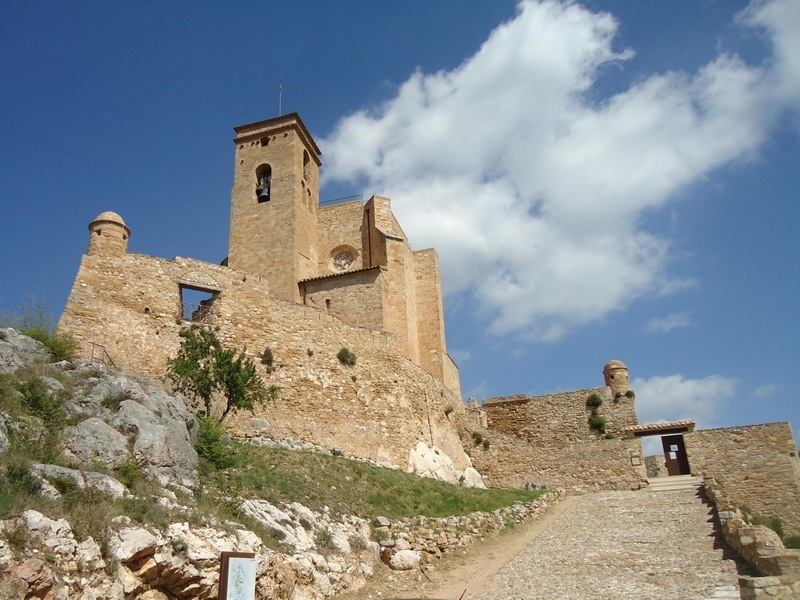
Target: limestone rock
(473, 479)
(427, 461)
(92, 440)
(381, 522)
(280, 523)
(405, 560)
(100, 482)
(17, 350)
(132, 543)
(3, 432)
(167, 454)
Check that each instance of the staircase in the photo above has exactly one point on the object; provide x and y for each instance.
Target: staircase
(677, 482)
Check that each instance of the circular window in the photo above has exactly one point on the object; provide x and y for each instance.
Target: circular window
(342, 258)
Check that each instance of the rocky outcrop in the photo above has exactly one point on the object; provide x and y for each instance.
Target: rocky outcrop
(99, 482)
(427, 461)
(17, 350)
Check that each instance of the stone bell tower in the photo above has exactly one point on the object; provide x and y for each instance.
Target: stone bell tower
(274, 204)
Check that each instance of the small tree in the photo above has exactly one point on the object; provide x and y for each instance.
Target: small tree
(203, 367)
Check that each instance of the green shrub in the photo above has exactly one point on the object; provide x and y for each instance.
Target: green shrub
(273, 393)
(310, 352)
(486, 444)
(64, 484)
(211, 446)
(22, 480)
(41, 402)
(112, 401)
(792, 542)
(127, 472)
(594, 401)
(597, 422)
(62, 346)
(477, 438)
(346, 357)
(267, 359)
(630, 394)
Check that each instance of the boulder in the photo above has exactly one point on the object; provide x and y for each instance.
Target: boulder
(427, 461)
(104, 484)
(17, 350)
(94, 440)
(166, 454)
(405, 560)
(472, 478)
(131, 544)
(381, 522)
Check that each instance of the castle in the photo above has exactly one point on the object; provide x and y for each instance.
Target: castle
(306, 280)
(303, 280)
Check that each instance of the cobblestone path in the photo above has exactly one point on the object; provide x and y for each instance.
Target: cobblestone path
(625, 545)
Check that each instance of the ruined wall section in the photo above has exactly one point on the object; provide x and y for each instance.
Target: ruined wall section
(581, 467)
(430, 311)
(557, 420)
(378, 408)
(756, 466)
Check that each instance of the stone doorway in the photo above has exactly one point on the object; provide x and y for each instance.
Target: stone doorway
(675, 457)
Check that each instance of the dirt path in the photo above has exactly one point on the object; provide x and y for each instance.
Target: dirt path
(468, 572)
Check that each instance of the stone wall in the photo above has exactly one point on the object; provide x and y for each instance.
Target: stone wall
(655, 466)
(759, 546)
(341, 227)
(585, 466)
(355, 298)
(756, 465)
(558, 419)
(378, 408)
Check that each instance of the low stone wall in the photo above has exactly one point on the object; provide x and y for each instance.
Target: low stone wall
(594, 465)
(759, 546)
(756, 465)
(433, 537)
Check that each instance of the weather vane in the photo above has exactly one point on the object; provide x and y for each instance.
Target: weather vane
(280, 99)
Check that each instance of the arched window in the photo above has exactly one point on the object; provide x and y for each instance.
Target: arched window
(264, 183)
(306, 158)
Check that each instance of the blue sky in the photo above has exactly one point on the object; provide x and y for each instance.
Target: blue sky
(603, 180)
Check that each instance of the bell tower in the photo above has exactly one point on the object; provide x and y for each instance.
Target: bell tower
(274, 204)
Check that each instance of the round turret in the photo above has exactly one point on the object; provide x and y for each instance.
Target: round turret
(108, 235)
(616, 375)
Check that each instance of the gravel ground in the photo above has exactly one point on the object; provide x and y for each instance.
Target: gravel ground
(625, 545)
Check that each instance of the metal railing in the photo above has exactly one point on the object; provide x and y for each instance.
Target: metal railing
(196, 313)
(101, 355)
(359, 197)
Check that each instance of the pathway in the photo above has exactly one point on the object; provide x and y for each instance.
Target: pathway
(624, 545)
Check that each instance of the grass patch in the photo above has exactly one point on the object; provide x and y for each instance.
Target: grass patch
(349, 487)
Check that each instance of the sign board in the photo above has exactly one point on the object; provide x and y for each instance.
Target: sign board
(237, 576)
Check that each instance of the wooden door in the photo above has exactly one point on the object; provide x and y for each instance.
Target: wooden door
(675, 455)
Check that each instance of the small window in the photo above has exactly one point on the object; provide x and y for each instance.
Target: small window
(264, 141)
(305, 164)
(197, 305)
(263, 183)
(328, 304)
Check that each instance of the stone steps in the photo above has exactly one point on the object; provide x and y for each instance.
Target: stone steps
(670, 484)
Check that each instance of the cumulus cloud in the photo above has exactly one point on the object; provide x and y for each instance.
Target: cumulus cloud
(531, 191)
(674, 398)
(763, 392)
(668, 323)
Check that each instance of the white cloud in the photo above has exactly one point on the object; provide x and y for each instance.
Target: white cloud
(674, 398)
(531, 192)
(763, 391)
(668, 323)
(460, 356)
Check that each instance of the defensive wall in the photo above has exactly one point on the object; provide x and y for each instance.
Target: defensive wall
(547, 440)
(756, 465)
(131, 305)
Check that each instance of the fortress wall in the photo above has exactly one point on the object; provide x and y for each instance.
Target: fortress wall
(558, 419)
(586, 466)
(756, 466)
(378, 408)
(340, 225)
(355, 299)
